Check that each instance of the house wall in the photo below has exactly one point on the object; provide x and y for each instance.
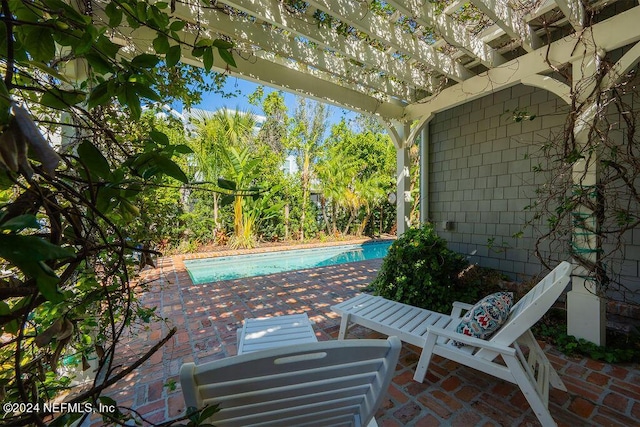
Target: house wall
(481, 181)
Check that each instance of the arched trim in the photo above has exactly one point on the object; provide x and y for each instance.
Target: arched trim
(562, 90)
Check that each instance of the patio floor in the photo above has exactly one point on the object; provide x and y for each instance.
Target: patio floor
(207, 317)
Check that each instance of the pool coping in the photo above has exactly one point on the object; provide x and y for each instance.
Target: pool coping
(180, 258)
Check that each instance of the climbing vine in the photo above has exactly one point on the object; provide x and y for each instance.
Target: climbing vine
(75, 77)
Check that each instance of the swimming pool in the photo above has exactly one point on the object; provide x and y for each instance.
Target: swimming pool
(237, 266)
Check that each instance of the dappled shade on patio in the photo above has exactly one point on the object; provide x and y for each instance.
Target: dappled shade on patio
(207, 317)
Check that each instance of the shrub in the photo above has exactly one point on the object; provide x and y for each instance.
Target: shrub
(420, 270)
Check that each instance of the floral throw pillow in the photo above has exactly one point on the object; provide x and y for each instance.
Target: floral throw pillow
(486, 316)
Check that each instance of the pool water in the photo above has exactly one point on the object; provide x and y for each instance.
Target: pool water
(237, 266)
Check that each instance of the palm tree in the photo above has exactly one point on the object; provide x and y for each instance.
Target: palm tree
(241, 174)
(309, 125)
(335, 172)
(215, 132)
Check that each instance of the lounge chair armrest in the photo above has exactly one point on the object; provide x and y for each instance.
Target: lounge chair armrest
(472, 341)
(459, 307)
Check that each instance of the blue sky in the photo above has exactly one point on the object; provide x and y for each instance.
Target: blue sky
(213, 101)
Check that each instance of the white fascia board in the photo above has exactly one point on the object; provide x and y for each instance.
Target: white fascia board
(450, 30)
(613, 33)
(354, 49)
(501, 14)
(359, 16)
(305, 84)
(386, 88)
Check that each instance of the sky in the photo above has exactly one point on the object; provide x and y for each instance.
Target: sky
(213, 101)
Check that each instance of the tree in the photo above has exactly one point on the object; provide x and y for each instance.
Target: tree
(370, 159)
(336, 172)
(273, 132)
(65, 217)
(308, 126)
(240, 179)
(215, 132)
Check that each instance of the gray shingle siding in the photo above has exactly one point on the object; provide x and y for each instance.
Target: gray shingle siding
(481, 179)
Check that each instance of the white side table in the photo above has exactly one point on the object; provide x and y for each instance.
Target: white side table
(280, 331)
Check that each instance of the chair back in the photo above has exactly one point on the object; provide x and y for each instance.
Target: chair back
(530, 308)
(329, 383)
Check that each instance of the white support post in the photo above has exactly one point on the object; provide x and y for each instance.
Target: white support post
(403, 186)
(424, 174)
(401, 136)
(586, 310)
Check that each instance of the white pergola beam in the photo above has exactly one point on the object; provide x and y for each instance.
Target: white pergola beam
(506, 18)
(359, 16)
(271, 71)
(256, 35)
(558, 54)
(328, 77)
(451, 31)
(354, 49)
(574, 11)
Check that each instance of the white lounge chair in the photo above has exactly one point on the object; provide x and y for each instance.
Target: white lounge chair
(436, 333)
(329, 383)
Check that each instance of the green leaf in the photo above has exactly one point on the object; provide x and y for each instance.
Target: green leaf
(182, 149)
(61, 99)
(133, 189)
(21, 222)
(161, 44)
(173, 55)
(94, 160)
(197, 52)
(204, 43)
(38, 41)
(177, 25)
(98, 63)
(87, 40)
(227, 199)
(28, 253)
(68, 12)
(114, 13)
(226, 184)
(144, 91)
(207, 58)
(222, 44)
(208, 412)
(106, 47)
(227, 57)
(133, 102)
(99, 95)
(145, 60)
(4, 308)
(157, 18)
(170, 168)
(159, 137)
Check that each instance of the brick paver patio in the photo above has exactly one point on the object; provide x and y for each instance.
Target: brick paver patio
(207, 317)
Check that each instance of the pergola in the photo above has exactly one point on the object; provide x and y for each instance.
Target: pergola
(405, 61)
